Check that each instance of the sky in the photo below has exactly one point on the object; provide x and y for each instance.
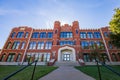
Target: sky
(42, 14)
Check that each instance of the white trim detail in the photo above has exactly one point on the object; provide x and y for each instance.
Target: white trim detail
(26, 47)
(105, 46)
(69, 48)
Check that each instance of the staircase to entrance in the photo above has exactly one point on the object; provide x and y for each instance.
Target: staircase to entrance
(66, 63)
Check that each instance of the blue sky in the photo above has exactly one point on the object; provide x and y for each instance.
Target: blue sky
(43, 13)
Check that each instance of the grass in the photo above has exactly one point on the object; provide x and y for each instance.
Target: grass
(26, 73)
(105, 73)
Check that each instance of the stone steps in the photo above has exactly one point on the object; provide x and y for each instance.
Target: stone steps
(66, 63)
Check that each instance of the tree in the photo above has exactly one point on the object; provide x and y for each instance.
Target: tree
(115, 28)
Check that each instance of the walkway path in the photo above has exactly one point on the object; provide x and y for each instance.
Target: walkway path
(66, 73)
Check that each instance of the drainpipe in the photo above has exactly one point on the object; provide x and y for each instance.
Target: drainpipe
(105, 46)
(26, 47)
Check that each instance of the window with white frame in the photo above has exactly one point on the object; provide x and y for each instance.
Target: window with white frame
(48, 45)
(23, 45)
(32, 45)
(20, 34)
(16, 45)
(83, 35)
(11, 57)
(46, 57)
(40, 45)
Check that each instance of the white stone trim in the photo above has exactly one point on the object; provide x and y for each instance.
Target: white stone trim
(26, 47)
(105, 46)
(69, 48)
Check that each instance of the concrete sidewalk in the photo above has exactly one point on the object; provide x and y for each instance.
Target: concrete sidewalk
(66, 73)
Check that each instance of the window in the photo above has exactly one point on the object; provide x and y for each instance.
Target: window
(97, 35)
(3, 56)
(11, 57)
(8, 46)
(92, 45)
(114, 57)
(104, 57)
(77, 31)
(118, 55)
(13, 35)
(90, 35)
(26, 35)
(16, 45)
(20, 34)
(86, 57)
(100, 45)
(48, 45)
(82, 34)
(67, 43)
(66, 35)
(110, 45)
(43, 35)
(35, 35)
(84, 44)
(106, 34)
(50, 34)
(38, 56)
(40, 45)
(18, 57)
(32, 45)
(23, 45)
(46, 57)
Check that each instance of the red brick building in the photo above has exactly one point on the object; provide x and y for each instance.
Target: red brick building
(63, 43)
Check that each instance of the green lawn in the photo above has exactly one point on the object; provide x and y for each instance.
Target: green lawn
(105, 73)
(26, 73)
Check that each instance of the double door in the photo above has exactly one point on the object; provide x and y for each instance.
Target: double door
(66, 57)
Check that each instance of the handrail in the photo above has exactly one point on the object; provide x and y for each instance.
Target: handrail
(10, 75)
(110, 68)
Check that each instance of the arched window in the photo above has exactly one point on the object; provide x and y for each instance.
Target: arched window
(16, 45)
(118, 55)
(11, 57)
(2, 58)
(18, 57)
(13, 35)
(104, 57)
(86, 57)
(8, 45)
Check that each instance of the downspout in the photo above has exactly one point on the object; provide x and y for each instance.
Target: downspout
(105, 46)
(26, 48)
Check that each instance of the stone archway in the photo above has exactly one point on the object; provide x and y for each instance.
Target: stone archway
(64, 51)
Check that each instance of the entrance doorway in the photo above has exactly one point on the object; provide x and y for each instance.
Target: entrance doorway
(66, 57)
(66, 54)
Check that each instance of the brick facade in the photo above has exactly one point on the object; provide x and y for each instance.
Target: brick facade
(69, 43)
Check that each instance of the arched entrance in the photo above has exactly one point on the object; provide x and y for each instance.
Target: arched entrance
(66, 54)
